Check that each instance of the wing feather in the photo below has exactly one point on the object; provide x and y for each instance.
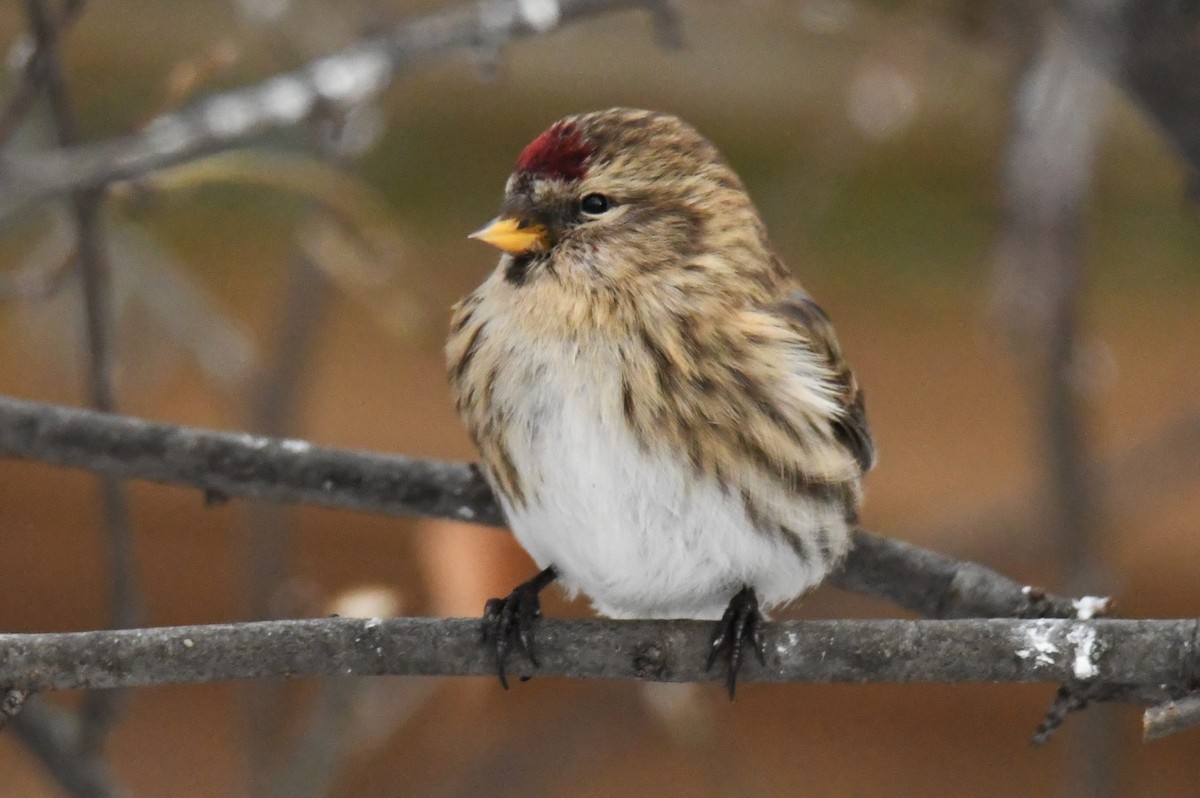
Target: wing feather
(850, 425)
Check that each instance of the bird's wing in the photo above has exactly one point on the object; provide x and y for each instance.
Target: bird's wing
(849, 418)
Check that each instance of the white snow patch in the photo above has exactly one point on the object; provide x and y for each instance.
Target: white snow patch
(168, 135)
(466, 512)
(295, 446)
(22, 49)
(1084, 639)
(1038, 644)
(787, 644)
(253, 441)
(230, 116)
(1089, 607)
(372, 623)
(352, 77)
(542, 15)
(287, 98)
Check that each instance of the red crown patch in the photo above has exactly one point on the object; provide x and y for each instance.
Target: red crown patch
(560, 152)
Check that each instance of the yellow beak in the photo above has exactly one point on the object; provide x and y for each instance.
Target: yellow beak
(509, 235)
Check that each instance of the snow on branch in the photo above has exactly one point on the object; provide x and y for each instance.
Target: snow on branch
(348, 77)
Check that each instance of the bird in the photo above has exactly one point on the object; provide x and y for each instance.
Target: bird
(664, 414)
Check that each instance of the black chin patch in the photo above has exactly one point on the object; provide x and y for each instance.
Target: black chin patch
(518, 270)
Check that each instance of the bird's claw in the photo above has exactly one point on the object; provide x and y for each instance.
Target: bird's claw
(741, 623)
(508, 623)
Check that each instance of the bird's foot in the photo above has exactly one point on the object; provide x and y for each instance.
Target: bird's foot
(741, 623)
(508, 622)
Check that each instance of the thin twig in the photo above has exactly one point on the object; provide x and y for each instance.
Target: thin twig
(17, 106)
(53, 735)
(1140, 658)
(1075, 696)
(257, 467)
(1171, 718)
(98, 712)
(345, 78)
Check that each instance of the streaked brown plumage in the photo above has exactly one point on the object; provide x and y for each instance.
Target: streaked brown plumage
(652, 332)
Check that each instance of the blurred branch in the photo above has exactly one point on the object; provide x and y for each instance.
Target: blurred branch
(1139, 660)
(1151, 49)
(348, 717)
(250, 466)
(98, 712)
(345, 78)
(66, 743)
(334, 736)
(318, 757)
(38, 280)
(274, 406)
(17, 105)
(1040, 270)
(336, 713)
(1148, 474)
(1039, 276)
(350, 234)
(53, 735)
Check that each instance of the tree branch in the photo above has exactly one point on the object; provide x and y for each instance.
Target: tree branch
(1171, 717)
(345, 78)
(243, 465)
(1156, 657)
(257, 467)
(1150, 50)
(938, 586)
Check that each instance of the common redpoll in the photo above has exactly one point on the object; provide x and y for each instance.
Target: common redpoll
(663, 412)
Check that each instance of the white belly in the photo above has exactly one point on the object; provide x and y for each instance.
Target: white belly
(638, 532)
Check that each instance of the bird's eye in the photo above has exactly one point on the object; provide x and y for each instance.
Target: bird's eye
(594, 204)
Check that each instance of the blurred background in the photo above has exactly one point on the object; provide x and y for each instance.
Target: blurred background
(1002, 237)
